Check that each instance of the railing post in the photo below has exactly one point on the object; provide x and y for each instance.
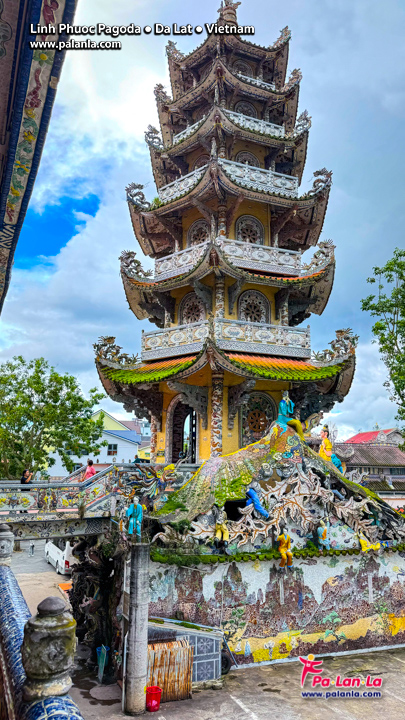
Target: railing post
(6, 544)
(137, 657)
(48, 651)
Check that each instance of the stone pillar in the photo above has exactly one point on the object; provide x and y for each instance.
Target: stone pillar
(153, 438)
(283, 313)
(137, 655)
(220, 297)
(222, 220)
(48, 651)
(217, 401)
(6, 544)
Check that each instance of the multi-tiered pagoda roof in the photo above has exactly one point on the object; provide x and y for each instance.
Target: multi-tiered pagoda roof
(227, 232)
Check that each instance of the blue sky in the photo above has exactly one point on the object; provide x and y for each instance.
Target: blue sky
(66, 289)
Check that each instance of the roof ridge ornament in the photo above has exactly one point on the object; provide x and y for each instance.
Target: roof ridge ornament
(131, 266)
(227, 11)
(161, 94)
(285, 36)
(173, 52)
(136, 197)
(152, 137)
(106, 349)
(341, 348)
(294, 79)
(322, 181)
(321, 258)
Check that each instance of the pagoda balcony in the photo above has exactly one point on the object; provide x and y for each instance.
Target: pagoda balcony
(231, 335)
(256, 81)
(255, 178)
(241, 254)
(255, 125)
(242, 174)
(181, 186)
(187, 131)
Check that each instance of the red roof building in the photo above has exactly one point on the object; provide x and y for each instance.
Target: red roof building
(391, 437)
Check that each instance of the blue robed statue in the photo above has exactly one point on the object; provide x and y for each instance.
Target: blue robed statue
(135, 515)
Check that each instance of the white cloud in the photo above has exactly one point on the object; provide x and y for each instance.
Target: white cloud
(352, 56)
(368, 401)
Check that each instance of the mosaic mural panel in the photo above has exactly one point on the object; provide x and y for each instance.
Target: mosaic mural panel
(325, 605)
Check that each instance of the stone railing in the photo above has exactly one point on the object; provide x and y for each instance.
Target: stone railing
(241, 254)
(261, 257)
(187, 131)
(36, 654)
(255, 125)
(236, 335)
(256, 81)
(65, 510)
(259, 179)
(181, 186)
(91, 496)
(179, 262)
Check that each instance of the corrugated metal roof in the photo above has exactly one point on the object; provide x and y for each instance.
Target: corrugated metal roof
(374, 455)
(129, 435)
(366, 437)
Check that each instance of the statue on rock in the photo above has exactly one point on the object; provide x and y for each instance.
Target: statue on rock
(326, 449)
(284, 548)
(221, 529)
(253, 495)
(285, 415)
(135, 515)
(323, 534)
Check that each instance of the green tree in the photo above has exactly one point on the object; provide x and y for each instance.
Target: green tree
(42, 412)
(388, 307)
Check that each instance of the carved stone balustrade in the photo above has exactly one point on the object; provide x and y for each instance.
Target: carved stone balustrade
(241, 254)
(179, 262)
(255, 125)
(234, 335)
(181, 186)
(187, 131)
(261, 257)
(259, 179)
(256, 81)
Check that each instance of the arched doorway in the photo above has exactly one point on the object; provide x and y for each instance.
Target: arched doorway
(181, 435)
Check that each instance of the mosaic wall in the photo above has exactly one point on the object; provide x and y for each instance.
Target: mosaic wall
(325, 605)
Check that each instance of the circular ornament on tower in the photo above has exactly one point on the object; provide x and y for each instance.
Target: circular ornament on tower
(198, 233)
(245, 108)
(249, 229)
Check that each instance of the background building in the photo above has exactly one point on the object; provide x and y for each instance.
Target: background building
(124, 440)
(375, 459)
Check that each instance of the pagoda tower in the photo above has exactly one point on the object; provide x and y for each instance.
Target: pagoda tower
(227, 231)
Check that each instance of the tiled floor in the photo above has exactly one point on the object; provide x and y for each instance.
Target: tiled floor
(274, 691)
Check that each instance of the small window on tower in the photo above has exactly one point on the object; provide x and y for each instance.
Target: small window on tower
(247, 157)
(253, 307)
(249, 229)
(245, 108)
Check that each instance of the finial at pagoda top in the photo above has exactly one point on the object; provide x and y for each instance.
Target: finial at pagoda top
(227, 12)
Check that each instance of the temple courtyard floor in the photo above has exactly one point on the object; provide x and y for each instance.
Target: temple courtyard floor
(255, 693)
(273, 691)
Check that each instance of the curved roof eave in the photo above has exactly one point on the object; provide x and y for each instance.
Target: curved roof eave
(193, 95)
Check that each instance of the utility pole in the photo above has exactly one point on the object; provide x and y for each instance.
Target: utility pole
(137, 654)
